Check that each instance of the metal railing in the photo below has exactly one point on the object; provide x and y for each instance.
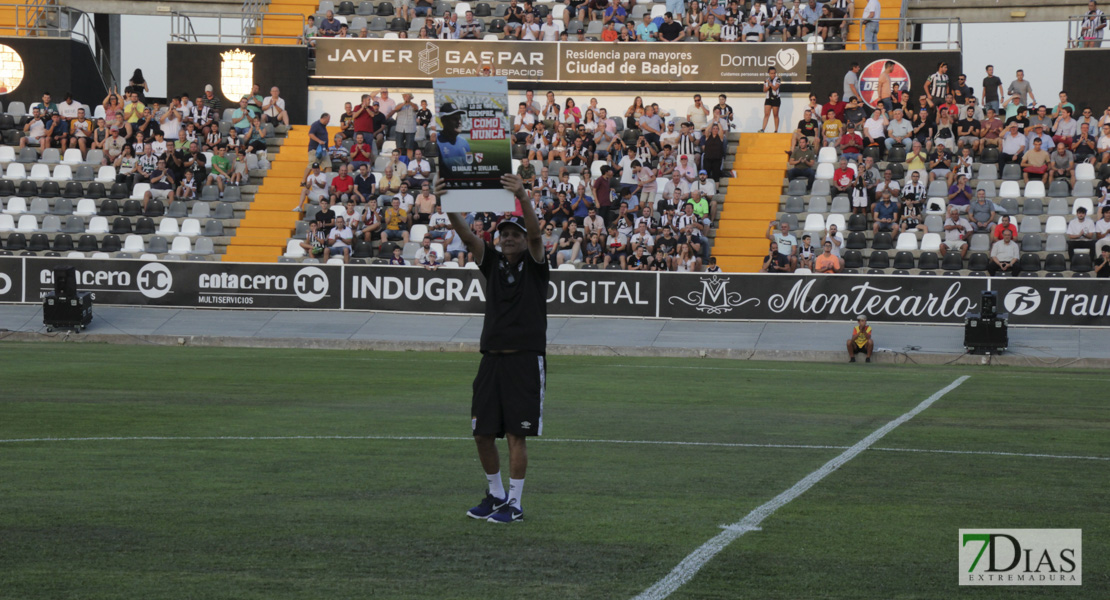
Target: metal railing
(251, 27)
(908, 30)
(1076, 33)
(253, 11)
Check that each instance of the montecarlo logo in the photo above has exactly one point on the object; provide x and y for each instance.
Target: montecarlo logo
(873, 300)
(713, 298)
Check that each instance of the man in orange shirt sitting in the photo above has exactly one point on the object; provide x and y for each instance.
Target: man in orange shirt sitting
(861, 340)
(827, 262)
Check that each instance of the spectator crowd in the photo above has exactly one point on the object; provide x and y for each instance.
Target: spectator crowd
(597, 20)
(613, 187)
(932, 142)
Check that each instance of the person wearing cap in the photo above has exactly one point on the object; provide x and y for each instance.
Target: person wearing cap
(453, 147)
(386, 106)
(861, 341)
(212, 101)
(314, 187)
(1013, 145)
(509, 388)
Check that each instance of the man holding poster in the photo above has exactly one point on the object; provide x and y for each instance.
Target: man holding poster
(509, 388)
(474, 143)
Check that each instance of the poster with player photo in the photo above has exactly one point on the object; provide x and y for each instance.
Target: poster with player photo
(474, 143)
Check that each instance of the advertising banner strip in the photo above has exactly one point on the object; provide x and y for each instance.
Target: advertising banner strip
(474, 143)
(570, 62)
(709, 296)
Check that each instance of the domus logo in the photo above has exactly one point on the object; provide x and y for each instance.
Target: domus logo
(787, 58)
(1022, 300)
(869, 80)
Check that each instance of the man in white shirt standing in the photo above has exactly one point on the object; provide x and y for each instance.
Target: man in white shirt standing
(1081, 233)
(871, 15)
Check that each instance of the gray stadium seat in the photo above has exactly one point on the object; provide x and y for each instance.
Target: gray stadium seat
(1058, 206)
(213, 228)
(1058, 189)
(1011, 172)
(157, 245)
(1056, 242)
(841, 205)
(1031, 242)
(1009, 205)
(988, 187)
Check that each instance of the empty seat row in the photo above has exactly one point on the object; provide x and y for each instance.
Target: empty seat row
(87, 207)
(119, 225)
(40, 242)
(1056, 262)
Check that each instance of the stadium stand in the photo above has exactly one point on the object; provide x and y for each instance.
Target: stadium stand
(62, 190)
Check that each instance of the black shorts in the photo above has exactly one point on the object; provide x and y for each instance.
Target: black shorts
(508, 394)
(857, 349)
(772, 102)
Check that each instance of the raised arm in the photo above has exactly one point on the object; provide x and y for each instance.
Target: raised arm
(474, 244)
(515, 184)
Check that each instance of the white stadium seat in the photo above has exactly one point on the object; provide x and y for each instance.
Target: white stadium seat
(906, 241)
(293, 249)
(133, 243)
(85, 208)
(98, 225)
(72, 157)
(181, 245)
(168, 227)
(39, 172)
(1056, 224)
(27, 224)
(930, 242)
(1034, 189)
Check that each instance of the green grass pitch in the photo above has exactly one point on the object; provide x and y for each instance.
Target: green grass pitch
(384, 518)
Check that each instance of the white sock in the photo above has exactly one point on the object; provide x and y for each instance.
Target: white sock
(516, 486)
(496, 488)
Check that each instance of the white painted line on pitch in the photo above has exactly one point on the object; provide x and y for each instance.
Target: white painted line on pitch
(991, 453)
(697, 559)
(537, 440)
